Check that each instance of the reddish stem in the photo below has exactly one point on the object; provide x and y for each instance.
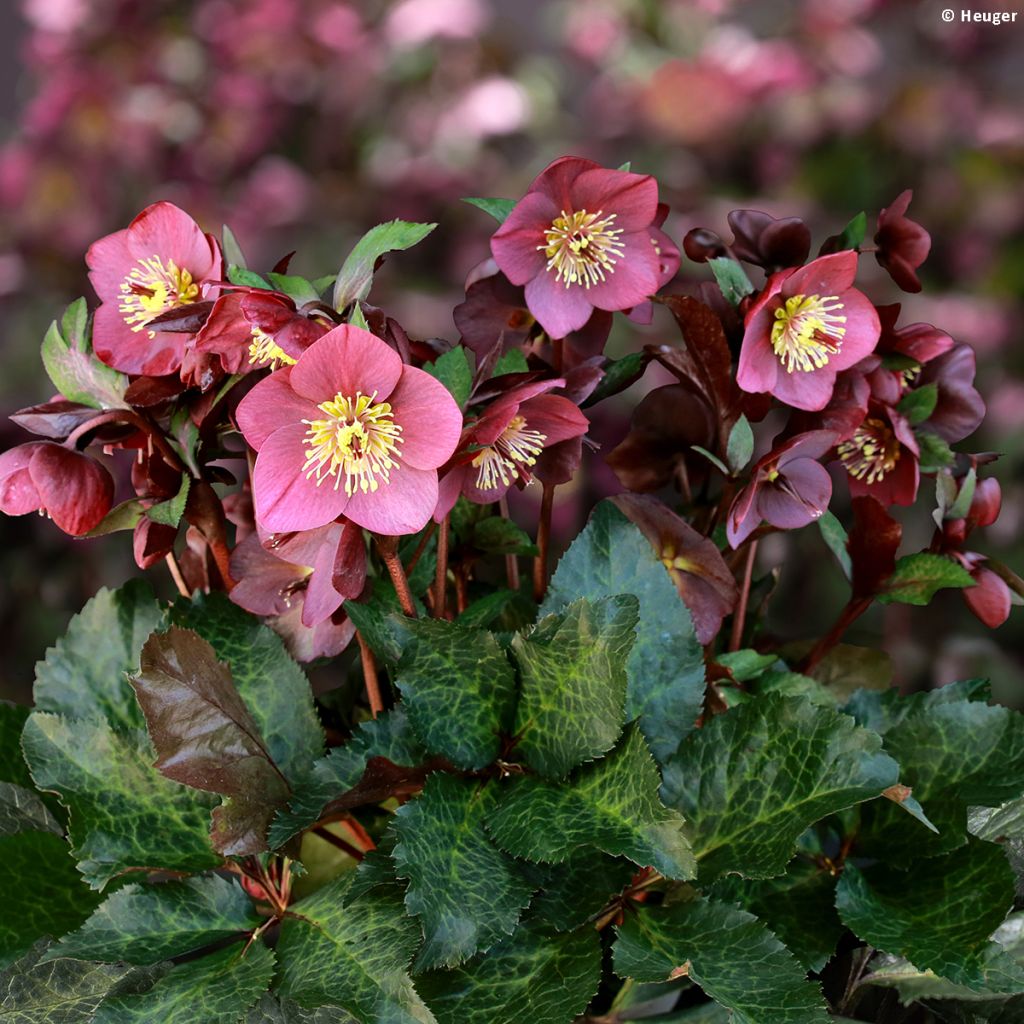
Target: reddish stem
(330, 837)
(854, 609)
(540, 563)
(511, 562)
(388, 548)
(441, 573)
(740, 615)
(370, 676)
(175, 570)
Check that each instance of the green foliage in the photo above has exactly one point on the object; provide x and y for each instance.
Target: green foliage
(732, 279)
(740, 447)
(619, 374)
(917, 578)
(356, 274)
(452, 369)
(499, 209)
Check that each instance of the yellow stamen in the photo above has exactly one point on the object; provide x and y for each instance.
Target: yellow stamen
(807, 331)
(357, 439)
(264, 351)
(582, 248)
(499, 463)
(154, 287)
(871, 453)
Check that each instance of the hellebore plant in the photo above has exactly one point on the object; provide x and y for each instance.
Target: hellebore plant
(604, 793)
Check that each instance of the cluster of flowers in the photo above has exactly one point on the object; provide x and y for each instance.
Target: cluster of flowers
(351, 428)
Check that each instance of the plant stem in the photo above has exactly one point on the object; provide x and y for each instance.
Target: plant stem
(441, 572)
(175, 570)
(421, 547)
(324, 833)
(540, 563)
(740, 615)
(511, 562)
(388, 548)
(370, 676)
(854, 609)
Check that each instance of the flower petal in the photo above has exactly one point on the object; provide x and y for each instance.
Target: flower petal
(75, 490)
(18, 494)
(431, 422)
(634, 278)
(804, 494)
(862, 331)
(558, 309)
(273, 403)
(117, 345)
(810, 390)
(344, 361)
(401, 506)
(517, 246)
(758, 367)
(827, 275)
(166, 231)
(633, 198)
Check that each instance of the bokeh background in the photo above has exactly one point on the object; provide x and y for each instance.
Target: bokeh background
(303, 122)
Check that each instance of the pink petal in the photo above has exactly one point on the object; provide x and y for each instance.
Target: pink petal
(827, 275)
(283, 498)
(809, 390)
(109, 260)
(227, 333)
(401, 506)
(515, 244)
(556, 180)
(758, 365)
(18, 494)
(803, 497)
(555, 417)
(348, 574)
(862, 331)
(322, 600)
(117, 345)
(166, 231)
(634, 279)
(633, 198)
(559, 310)
(989, 599)
(742, 518)
(448, 489)
(347, 360)
(431, 422)
(74, 489)
(922, 342)
(273, 403)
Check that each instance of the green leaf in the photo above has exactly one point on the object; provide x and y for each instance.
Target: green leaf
(939, 915)
(73, 367)
(712, 458)
(666, 665)
(612, 804)
(43, 894)
(961, 507)
(216, 989)
(124, 815)
(834, 534)
(513, 361)
(532, 976)
(458, 689)
(734, 958)
(499, 536)
(353, 954)
(619, 374)
(84, 675)
(169, 512)
(572, 668)
(919, 404)
(453, 370)
(144, 924)
(356, 274)
(389, 737)
(296, 288)
(732, 279)
(917, 578)
(852, 235)
(286, 1011)
(754, 778)
(380, 624)
(499, 209)
(206, 738)
(466, 892)
(22, 810)
(233, 255)
(273, 686)
(935, 452)
(357, 318)
(247, 278)
(746, 664)
(125, 516)
(13, 768)
(576, 891)
(740, 447)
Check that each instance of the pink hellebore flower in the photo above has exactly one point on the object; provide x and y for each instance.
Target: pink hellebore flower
(348, 430)
(584, 238)
(806, 326)
(73, 490)
(160, 262)
(881, 457)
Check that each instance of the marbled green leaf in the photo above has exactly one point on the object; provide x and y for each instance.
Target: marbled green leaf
(666, 664)
(573, 672)
(216, 989)
(754, 778)
(467, 893)
(390, 737)
(574, 892)
(458, 689)
(734, 958)
(532, 976)
(612, 804)
(144, 924)
(22, 810)
(270, 1010)
(43, 893)
(124, 814)
(352, 954)
(939, 914)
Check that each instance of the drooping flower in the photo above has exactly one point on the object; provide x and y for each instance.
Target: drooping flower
(903, 245)
(74, 490)
(805, 327)
(160, 262)
(789, 488)
(583, 238)
(881, 457)
(348, 430)
(503, 446)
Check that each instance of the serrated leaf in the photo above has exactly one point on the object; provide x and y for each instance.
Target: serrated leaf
(740, 447)
(452, 369)
(458, 689)
(746, 664)
(732, 279)
(169, 513)
(270, 1010)
(499, 209)
(572, 668)
(247, 278)
(43, 894)
(84, 675)
(513, 361)
(666, 665)
(753, 779)
(22, 810)
(356, 274)
(919, 404)
(499, 536)
(919, 577)
(935, 452)
(217, 989)
(734, 958)
(619, 374)
(124, 815)
(532, 976)
(576, 891)
(145, 924)
(206, 738)
(381, 625)
(467, 894)
(353, 954)
(73, 367)
(939, 915)
(834, 534)
(612, 804)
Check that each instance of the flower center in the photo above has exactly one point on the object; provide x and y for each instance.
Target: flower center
(807, 331)
(872, 452)
(153, 287)
(264, 351)
(500, 462)
(358, 439)
(582, 247)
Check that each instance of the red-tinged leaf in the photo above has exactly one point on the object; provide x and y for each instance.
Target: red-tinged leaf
(183, 319)
(706, 346)
(873, 543)
(54, 419)
(147, 391)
